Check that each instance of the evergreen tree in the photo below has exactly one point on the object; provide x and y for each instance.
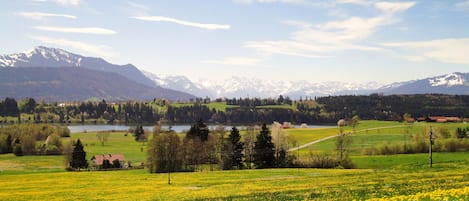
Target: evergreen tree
(9, 144)
(78, 156)
(17, 149)
(199, 130)
(236, 154)
(264, 149)
(138, 133)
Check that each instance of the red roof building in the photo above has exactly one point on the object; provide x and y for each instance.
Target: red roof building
(98, 159)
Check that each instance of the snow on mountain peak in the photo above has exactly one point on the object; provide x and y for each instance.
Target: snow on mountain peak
(452, 79)
(43, 56)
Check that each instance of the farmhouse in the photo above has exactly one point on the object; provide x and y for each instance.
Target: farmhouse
(442, 119)
(98, 160)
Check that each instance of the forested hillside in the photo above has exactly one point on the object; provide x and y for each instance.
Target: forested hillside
(253, 110)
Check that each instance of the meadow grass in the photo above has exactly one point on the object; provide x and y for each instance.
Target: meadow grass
(117, 143)
(218, 106)
(392, 177)
(11, 164)
(283, 106)
(305, 135)
(267, 184)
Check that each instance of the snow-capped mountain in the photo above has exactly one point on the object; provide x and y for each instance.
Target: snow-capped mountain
(453, 83)
(54, 57)
(449, 80)
(54, 74)
(179, 83)
(254, 87)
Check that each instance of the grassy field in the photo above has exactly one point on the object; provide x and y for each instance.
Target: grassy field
(392, 177)
(117, 143)
(268, 184)
(218, 106)
(305, 135)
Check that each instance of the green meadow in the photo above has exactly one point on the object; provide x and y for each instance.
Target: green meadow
(377, 177)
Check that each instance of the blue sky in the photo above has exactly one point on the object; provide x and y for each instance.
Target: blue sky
(314, 40)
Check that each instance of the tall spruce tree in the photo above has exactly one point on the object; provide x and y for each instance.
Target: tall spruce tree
(264, 149)
(78, 156)
(236, 154)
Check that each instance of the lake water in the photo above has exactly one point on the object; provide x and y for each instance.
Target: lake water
(177, 128)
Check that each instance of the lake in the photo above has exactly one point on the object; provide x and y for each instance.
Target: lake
(177, 128)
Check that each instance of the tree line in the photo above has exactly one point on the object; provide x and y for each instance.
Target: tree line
(32, 139)
(260, 148)
(241, 110)
(200, 146)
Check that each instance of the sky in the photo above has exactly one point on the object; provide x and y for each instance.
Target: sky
(314, 40)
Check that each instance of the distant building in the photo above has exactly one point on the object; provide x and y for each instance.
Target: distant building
(442, 119)
(97, 160)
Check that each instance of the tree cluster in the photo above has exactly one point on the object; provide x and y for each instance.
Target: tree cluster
(32, 139)
(168, 152)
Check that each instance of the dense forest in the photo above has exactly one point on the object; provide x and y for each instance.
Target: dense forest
(236, 110)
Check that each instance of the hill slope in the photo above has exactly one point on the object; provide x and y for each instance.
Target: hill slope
(453, 83)
(75, 84)
(54, 57)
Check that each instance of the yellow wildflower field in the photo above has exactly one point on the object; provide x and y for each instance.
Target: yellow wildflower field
(267, 184)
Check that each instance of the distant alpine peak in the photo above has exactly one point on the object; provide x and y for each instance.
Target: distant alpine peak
(452, 79)
(41, 55)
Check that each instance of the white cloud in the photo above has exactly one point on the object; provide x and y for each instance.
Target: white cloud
(62, 2)
(359, 2)
(452, 50)
(98, 50)
(393, 7)
(41, 16)
(138, 6)
(236, 61)
(68, 2)
(83, 30)
(319, 41)
(299, 2)
(182, 22)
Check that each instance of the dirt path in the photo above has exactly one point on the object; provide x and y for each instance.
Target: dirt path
(333, 136)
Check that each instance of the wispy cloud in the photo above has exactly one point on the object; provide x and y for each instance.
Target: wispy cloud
(451, 50)
(359, 2)
(319, 41)
(182, 22)
(63, 2)
(298, 2)
(235, 61)
(393, 7)
(138, 6)
(83, 30)
(41, 16)
(98, 50)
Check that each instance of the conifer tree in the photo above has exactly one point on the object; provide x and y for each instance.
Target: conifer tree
(78, 156)
(139, 132)
(264, 149)
(237, 145)
(9, 144)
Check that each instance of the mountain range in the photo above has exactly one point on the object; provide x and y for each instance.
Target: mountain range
(54, 74)
(453, 83)
(57, 75)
